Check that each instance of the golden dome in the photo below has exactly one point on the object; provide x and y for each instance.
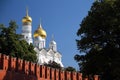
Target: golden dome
(40, 32)
(27, 18)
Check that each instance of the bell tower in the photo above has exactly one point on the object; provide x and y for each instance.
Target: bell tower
(27, 28)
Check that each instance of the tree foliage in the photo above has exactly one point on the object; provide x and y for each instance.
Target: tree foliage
(69, 68)
(99, 35)
(53, 64)
(11, 43)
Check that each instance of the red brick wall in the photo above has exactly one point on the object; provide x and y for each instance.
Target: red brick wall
(26, 67)
(56, 74)
(1, 62)
(67, 75)
(96, 77)
(19, 65)
(32, 68)
(79, 76)
(37, 70)
(73, 75)
(47, 73)
(52, 74)
(42, 72)
(12, 63)
(18, 69)
(5, 62)
(62, 75)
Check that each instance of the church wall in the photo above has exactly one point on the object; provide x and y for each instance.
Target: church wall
(17, 69)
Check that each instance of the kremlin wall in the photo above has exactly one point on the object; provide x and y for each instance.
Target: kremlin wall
(17, 69)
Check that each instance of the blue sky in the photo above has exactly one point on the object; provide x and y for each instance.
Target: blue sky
(58, 17)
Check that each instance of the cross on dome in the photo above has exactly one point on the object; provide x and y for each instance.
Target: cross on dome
(27, 18)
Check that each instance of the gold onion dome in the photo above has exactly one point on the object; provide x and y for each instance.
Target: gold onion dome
(40, 32)
(27, 18)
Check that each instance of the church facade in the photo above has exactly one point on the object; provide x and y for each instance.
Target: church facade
(44, 55)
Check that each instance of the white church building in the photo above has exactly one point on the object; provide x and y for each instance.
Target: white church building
(44, 55)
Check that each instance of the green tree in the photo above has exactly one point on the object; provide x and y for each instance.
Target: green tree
(69, 68)
(99, 40)
(53, 64)
(11, 43)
